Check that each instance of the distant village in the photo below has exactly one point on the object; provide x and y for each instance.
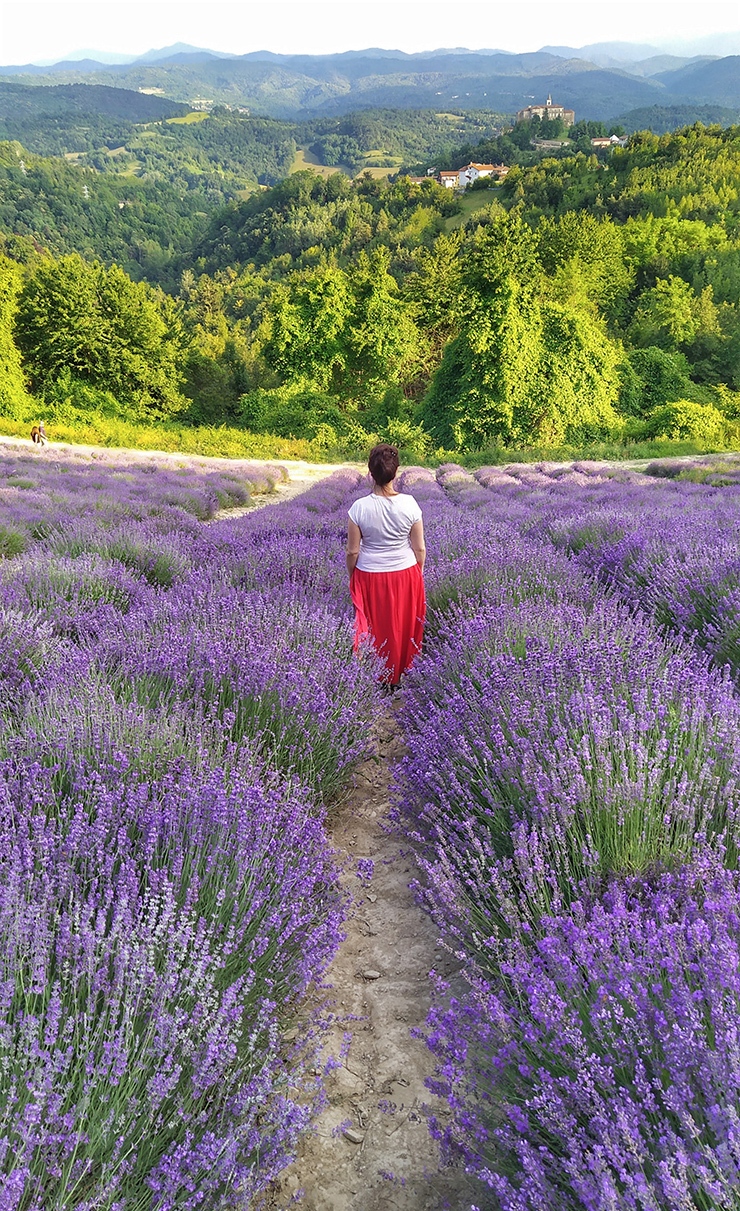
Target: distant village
(462, 178)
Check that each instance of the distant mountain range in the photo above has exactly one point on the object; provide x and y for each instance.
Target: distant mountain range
(599, 81)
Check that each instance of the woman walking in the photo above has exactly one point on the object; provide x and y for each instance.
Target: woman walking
(385, 561)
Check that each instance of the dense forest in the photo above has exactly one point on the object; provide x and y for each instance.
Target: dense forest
(587, 297)
(149, 187)
(118, 131)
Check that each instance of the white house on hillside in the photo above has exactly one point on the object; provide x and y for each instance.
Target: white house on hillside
(462, 177)
(609, 141)
(473, 172)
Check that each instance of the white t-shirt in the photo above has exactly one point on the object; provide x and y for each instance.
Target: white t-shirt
(385, 523)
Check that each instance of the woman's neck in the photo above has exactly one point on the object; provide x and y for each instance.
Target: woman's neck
(385, 490)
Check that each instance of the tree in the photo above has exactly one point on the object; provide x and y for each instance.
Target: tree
(650, 378)
(303, 331)
(383, 340)
(98, 327)
(12, 385)
(524, 368)
(672, 315)
(585, 256)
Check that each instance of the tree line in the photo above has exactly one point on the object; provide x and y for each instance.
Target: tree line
(585, 298)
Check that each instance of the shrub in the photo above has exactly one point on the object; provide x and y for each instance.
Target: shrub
(685, 419)
(614, 1048)
(69, 399)
(652, 377)
(412, 440)
(290, 412)
(150, 933)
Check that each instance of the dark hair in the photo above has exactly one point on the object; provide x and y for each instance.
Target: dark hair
(383, 463)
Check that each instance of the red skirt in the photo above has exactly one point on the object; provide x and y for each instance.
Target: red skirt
(389, 612)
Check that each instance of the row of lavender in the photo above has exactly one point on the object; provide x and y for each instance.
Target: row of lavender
(573, 787)
(180, 704)
(668, 547)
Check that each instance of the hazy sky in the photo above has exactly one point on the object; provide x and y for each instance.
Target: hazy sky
(31, 30)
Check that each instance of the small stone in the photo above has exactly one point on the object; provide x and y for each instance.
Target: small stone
(354, 1137)
(290, 1035)
(372, 897)
(370, 974)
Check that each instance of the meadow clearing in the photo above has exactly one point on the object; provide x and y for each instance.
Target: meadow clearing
(186, 733)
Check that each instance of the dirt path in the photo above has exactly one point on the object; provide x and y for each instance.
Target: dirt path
(296, 468)
(371, 1149)
(302, 477)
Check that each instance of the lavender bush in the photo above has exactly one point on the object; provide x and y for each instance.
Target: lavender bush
(262, 666)
(78, 597)
(178, 707)
(150, 931)
(602, 1072)
(668, 547)
(572, 788)
(571, 744)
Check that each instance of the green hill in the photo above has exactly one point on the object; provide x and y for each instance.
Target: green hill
(23, 102)
(54, 205)
(661, 119)
(586, 297)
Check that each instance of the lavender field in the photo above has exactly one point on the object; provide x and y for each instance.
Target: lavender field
(183, 713)
(573, 785)
(181, 706)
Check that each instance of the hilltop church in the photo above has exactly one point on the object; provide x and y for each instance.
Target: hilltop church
(548, 110)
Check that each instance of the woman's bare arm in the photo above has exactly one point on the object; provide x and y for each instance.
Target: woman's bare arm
(354, 534)
(416, 538)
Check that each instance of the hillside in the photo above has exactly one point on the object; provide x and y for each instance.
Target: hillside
(599, 81)
(63, 100)
(223, 155)
(291, 86)
(715, 82)
(63, 118)
(51, 204)
(573, 301)
(663, 118)
(583, 298)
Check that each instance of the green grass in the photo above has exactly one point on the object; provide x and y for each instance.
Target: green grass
(223, 441)
(304, 159)
(598, 451)
(212, 441)
(470, 201)
(198, 115)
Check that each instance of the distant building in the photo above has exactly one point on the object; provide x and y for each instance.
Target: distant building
(609, 141)
(473, 172)
(462, 177)
(549, 111)
(417, 180)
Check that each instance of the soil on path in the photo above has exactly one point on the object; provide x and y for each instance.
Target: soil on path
(371, 1149)
(302, 477)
